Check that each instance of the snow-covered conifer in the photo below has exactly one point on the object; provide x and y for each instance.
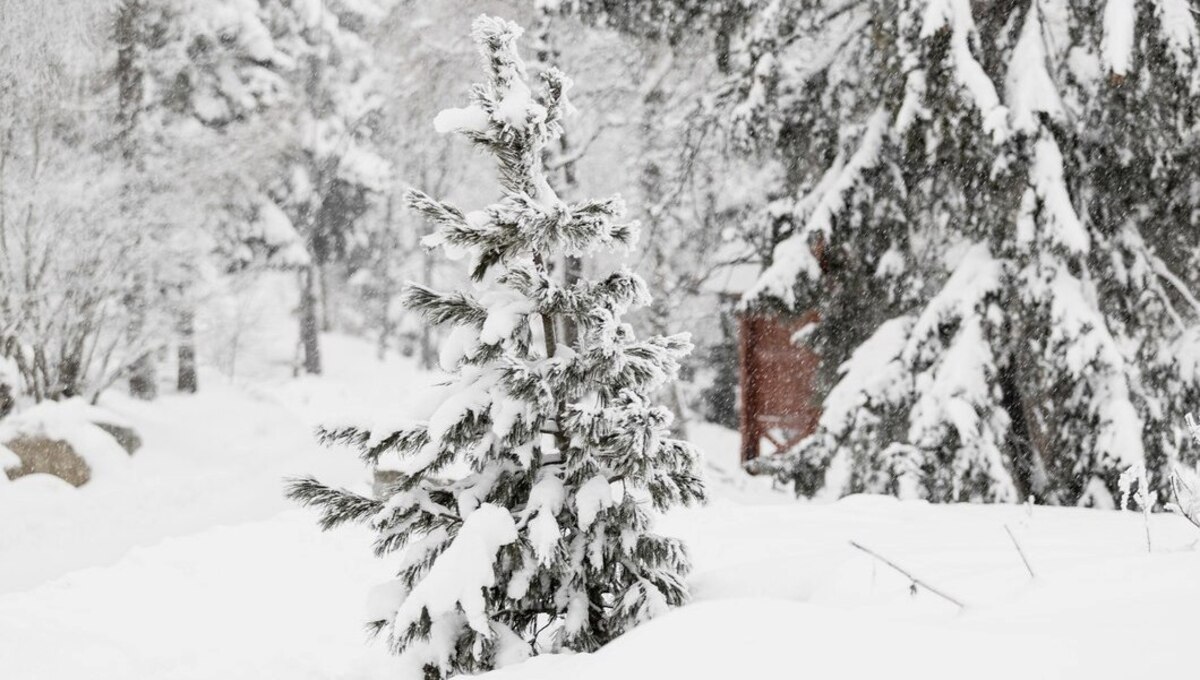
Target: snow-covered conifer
(524, 509)
(992, 206)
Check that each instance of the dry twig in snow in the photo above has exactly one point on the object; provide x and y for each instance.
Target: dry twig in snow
(1020, 552)
(915, 581)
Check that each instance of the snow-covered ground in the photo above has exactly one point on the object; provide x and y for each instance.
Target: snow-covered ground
(189, 564)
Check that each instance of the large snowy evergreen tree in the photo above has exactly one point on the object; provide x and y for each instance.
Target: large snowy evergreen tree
(527, 493)
(993, 207)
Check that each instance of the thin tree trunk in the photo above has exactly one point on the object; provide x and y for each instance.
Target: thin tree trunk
(653, 100)
(143, 378)
(186, 379)
(564, 183)
(572, 266)
(130, 74)
(310, 339)
(143, 373)
(384, 280)
(8, 396)
(429, 357)
(678, 405)
(41, 373)
(143, 383)
(71, 366)
(385, 326)
(7, 400)
(550, 340)
(428, 354)
(326, 316)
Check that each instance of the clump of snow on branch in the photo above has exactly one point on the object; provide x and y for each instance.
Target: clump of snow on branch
(461, 573)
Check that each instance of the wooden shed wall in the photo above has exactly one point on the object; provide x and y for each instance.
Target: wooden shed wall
(778, 384)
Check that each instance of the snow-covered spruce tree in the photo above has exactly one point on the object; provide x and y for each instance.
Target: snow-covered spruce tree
(993, 207)
(525, 506)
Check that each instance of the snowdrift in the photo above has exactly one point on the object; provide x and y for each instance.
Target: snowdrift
(191, 566)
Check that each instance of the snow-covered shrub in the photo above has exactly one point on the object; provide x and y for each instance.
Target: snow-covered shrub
(526, 496)
(68, 264)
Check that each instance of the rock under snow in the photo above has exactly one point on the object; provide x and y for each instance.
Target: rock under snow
(41, 455)
(71, 440)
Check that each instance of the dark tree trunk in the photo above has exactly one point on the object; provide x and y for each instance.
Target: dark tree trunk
(70, 369)
(564, 180)
(429, 355)
(130, 75)
(8, 397)
(310, 339)
(326, 315)
(572, 266)
(653, 189)
(143, 378)
(186, 381)
(384, 282)
(429, 359)
(143, 373)
(385, 325)
(7, 401)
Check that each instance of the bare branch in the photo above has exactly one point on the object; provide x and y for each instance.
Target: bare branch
(580, 151)
(1020, 552)
(909, 575)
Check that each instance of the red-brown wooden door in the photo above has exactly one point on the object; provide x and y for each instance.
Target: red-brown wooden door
(778, 382)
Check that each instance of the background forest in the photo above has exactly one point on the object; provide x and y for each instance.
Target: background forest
(991, 206)
(158, 155)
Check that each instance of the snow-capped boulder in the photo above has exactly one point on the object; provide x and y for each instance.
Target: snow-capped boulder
(124, 434)
(42, 455)
(71, 440)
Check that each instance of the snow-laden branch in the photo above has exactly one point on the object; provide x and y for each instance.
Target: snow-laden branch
(793, 256)
(1029, 87)
(1116, 46)
(1179, 31)
(956, 16)
(1048, 186)
(1161, 269)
